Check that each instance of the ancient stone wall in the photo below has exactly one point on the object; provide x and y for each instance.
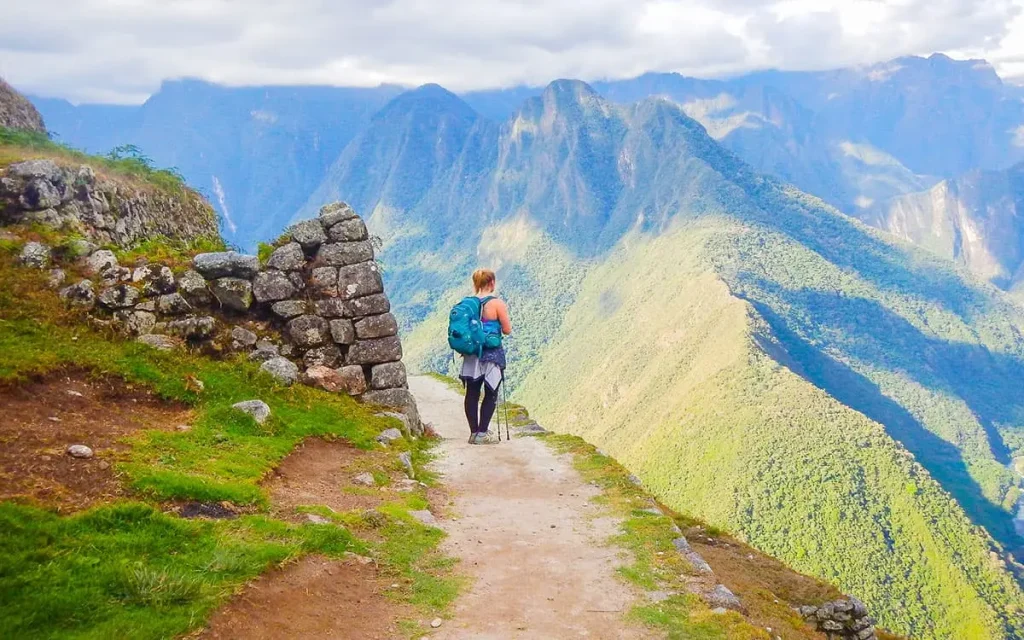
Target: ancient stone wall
(845, 619)
(315, 312)
(103, 209)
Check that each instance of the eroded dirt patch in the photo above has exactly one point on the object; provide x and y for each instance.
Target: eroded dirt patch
(312, 598)
(40, 419)
(321, 472)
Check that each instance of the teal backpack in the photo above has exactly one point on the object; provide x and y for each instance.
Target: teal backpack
(468, 333)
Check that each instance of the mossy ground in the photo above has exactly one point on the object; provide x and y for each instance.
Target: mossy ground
(131, 569)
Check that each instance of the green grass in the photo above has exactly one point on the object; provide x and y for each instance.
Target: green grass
(128, 570)
(171, 252)
(125, 160)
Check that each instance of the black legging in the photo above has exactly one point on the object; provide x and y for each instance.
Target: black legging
(479, 415)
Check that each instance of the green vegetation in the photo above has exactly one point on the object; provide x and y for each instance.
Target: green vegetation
(174, 253)
(129, 570)
(125, 160)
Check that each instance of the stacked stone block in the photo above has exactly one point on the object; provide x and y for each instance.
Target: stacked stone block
(845, 619)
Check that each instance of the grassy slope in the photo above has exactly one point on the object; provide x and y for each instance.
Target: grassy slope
(721, 430)
(131, 570)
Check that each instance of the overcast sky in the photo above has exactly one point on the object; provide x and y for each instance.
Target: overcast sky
(120, 50)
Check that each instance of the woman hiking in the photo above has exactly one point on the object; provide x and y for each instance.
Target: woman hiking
(485, 371)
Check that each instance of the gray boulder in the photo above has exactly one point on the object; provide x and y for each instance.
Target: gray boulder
(43, 169)
(309, 331)
(375, 351)
(192, 285)
(324, 281)
(390, 375)
(351, 230)
(226, 264)
(380, 326)
(389, 435)
(79, 295)
(353, 381)
(308, 233)
(136, 322)
(160, 342)
(272, 286)
(332, 214)
(358, 280)
(364, 479)
(341, 254)
(406, 459)
(326, 356)
(367, 306)
(255, 408)
(343, 332)
(287, 258)
(288, 309)
(721, 596)
(35, 255)
(695, 559)
(120, 296)
(242, 338)
(427, 518)
(330, 308)
(78, 248)
(173, 304)
(406, 426)
(263, 354)
(114, 275)
(192, 328)
(100, 261)
(400, 399)
(233, 293)
(282, 369)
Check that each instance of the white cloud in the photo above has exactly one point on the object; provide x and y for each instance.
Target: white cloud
(120, 50)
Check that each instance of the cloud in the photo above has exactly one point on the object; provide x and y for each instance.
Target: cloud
(120, 50)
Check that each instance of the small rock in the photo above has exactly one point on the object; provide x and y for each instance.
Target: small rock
(100, 261)
(193, 287)
(226, 264)
(332, 214)
(79, 295)
(389, 435)
(272, 286)
(173, 304)
(365, 479)
(721, 596)
(35, 255)
(406, 426)
(358, 558)
(288, 309)
(72, 392)
(324, 378)
(327, 356)
(351, 230)
(308, 233)
(315, 519)
(243, 337)
(56, 278)
(406, 459)
(720, 610)
(283, 370)
(115, 275)
(120, 296)
(255, 408)
(353, 381)
(436, 622)
(157, 279)
(233, 293)
(192, 327)
(309, 331)
(135, 322)
(287, 258)
(103, 464)
(424, 517)
(79, 451)
(183, 428)
(160, 342)
(262, 355)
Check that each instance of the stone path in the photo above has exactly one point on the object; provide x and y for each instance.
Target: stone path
(528, 536)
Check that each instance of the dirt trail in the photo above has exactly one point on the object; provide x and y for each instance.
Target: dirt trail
(527, 534)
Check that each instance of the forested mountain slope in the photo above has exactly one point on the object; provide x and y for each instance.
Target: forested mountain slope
(758, 358)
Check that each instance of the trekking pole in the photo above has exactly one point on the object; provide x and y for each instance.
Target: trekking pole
(508, 435)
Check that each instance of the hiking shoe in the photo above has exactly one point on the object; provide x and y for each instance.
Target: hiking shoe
(485, 437)
(472, 438)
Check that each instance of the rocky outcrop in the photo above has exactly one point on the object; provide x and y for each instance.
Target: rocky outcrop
(16, 112)
(299, 317)
(846, 619)
(103, 209)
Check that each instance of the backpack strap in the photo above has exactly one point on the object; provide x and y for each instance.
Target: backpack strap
(483, 303)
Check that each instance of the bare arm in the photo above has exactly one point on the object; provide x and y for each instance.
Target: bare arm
(506, 322)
